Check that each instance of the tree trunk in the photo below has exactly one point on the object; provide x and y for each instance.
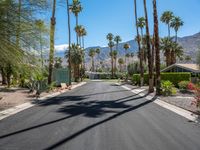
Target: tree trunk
(157, 50)
(52, 35)
(139, 47)
(169, 31)
(148, 42)
(69, 40)
(112, 66)
(77, 32)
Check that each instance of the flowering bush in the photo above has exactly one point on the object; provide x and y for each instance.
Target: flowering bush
(196, 102)
(191, 86)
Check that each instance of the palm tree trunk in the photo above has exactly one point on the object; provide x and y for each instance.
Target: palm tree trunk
(112, 66)
(41, 51)
(139, 47)
(77, 32)
(157, 50)
(169, 30)
(52, 36)
(3, 74)
(69, 40)
(148, 42)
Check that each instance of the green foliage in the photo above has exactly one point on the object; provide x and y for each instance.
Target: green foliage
(175, 78)
(183, 85)
(167, 88)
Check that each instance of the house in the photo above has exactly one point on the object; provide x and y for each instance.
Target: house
(194, 69)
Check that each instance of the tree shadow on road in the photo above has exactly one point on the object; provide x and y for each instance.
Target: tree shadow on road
(90, 109)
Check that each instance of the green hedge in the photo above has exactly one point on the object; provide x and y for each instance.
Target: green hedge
(175, 78)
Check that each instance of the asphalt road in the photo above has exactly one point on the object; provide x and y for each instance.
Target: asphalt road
(98, 116)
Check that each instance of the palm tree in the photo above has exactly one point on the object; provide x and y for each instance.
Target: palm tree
(83, 34)
(166, 46)
(126, 47)
(141, 24)
(115, 52)
(148, 46)
(111, 45)
(132, 56)
(76, 60)
(52, 36)
(98, 52)
(117, 39)
(121, 62)
(92, 53)
(177, 51)
(69, 41)
(139, 47)
(78, 29)
(157, 46)
(176, 24)
(167, 17)
(76, 8)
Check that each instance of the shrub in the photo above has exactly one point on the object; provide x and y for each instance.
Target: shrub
(196, 102)
(175, 78)
(167, 88)
(191, 86)
(183, 85)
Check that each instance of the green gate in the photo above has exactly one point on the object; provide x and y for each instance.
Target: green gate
(61, 76)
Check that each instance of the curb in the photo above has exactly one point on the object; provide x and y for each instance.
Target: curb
(180, 111)
(14, 110)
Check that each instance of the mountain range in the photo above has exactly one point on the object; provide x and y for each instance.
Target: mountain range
(190, 45)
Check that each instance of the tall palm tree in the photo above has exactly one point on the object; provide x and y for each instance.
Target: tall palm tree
(176, 24)
(141, 24)
(92, 53)
(117, 39)
(167, 17)
(76, 60)
(115, 52)
(78, 29)
(76, 8)
(139, 47)
(111, 45)
(126, 47)
(157, 46)
(52, 38)
(148, 46)
(98, 52)
(69, 41)
(121, 62)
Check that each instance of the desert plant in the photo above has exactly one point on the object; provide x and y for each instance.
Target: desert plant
(167, 88)
(183, 85)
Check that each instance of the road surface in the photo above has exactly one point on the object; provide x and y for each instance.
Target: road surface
(98, 116)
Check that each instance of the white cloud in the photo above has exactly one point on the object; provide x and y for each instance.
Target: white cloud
(61, 48)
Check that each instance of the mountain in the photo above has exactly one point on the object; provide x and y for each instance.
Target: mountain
(189, 43)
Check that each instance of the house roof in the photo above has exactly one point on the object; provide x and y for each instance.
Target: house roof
(191, 67)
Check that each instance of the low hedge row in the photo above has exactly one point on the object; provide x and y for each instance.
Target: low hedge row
(175, 78)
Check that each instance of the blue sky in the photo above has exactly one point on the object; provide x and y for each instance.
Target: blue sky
(117, 16)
